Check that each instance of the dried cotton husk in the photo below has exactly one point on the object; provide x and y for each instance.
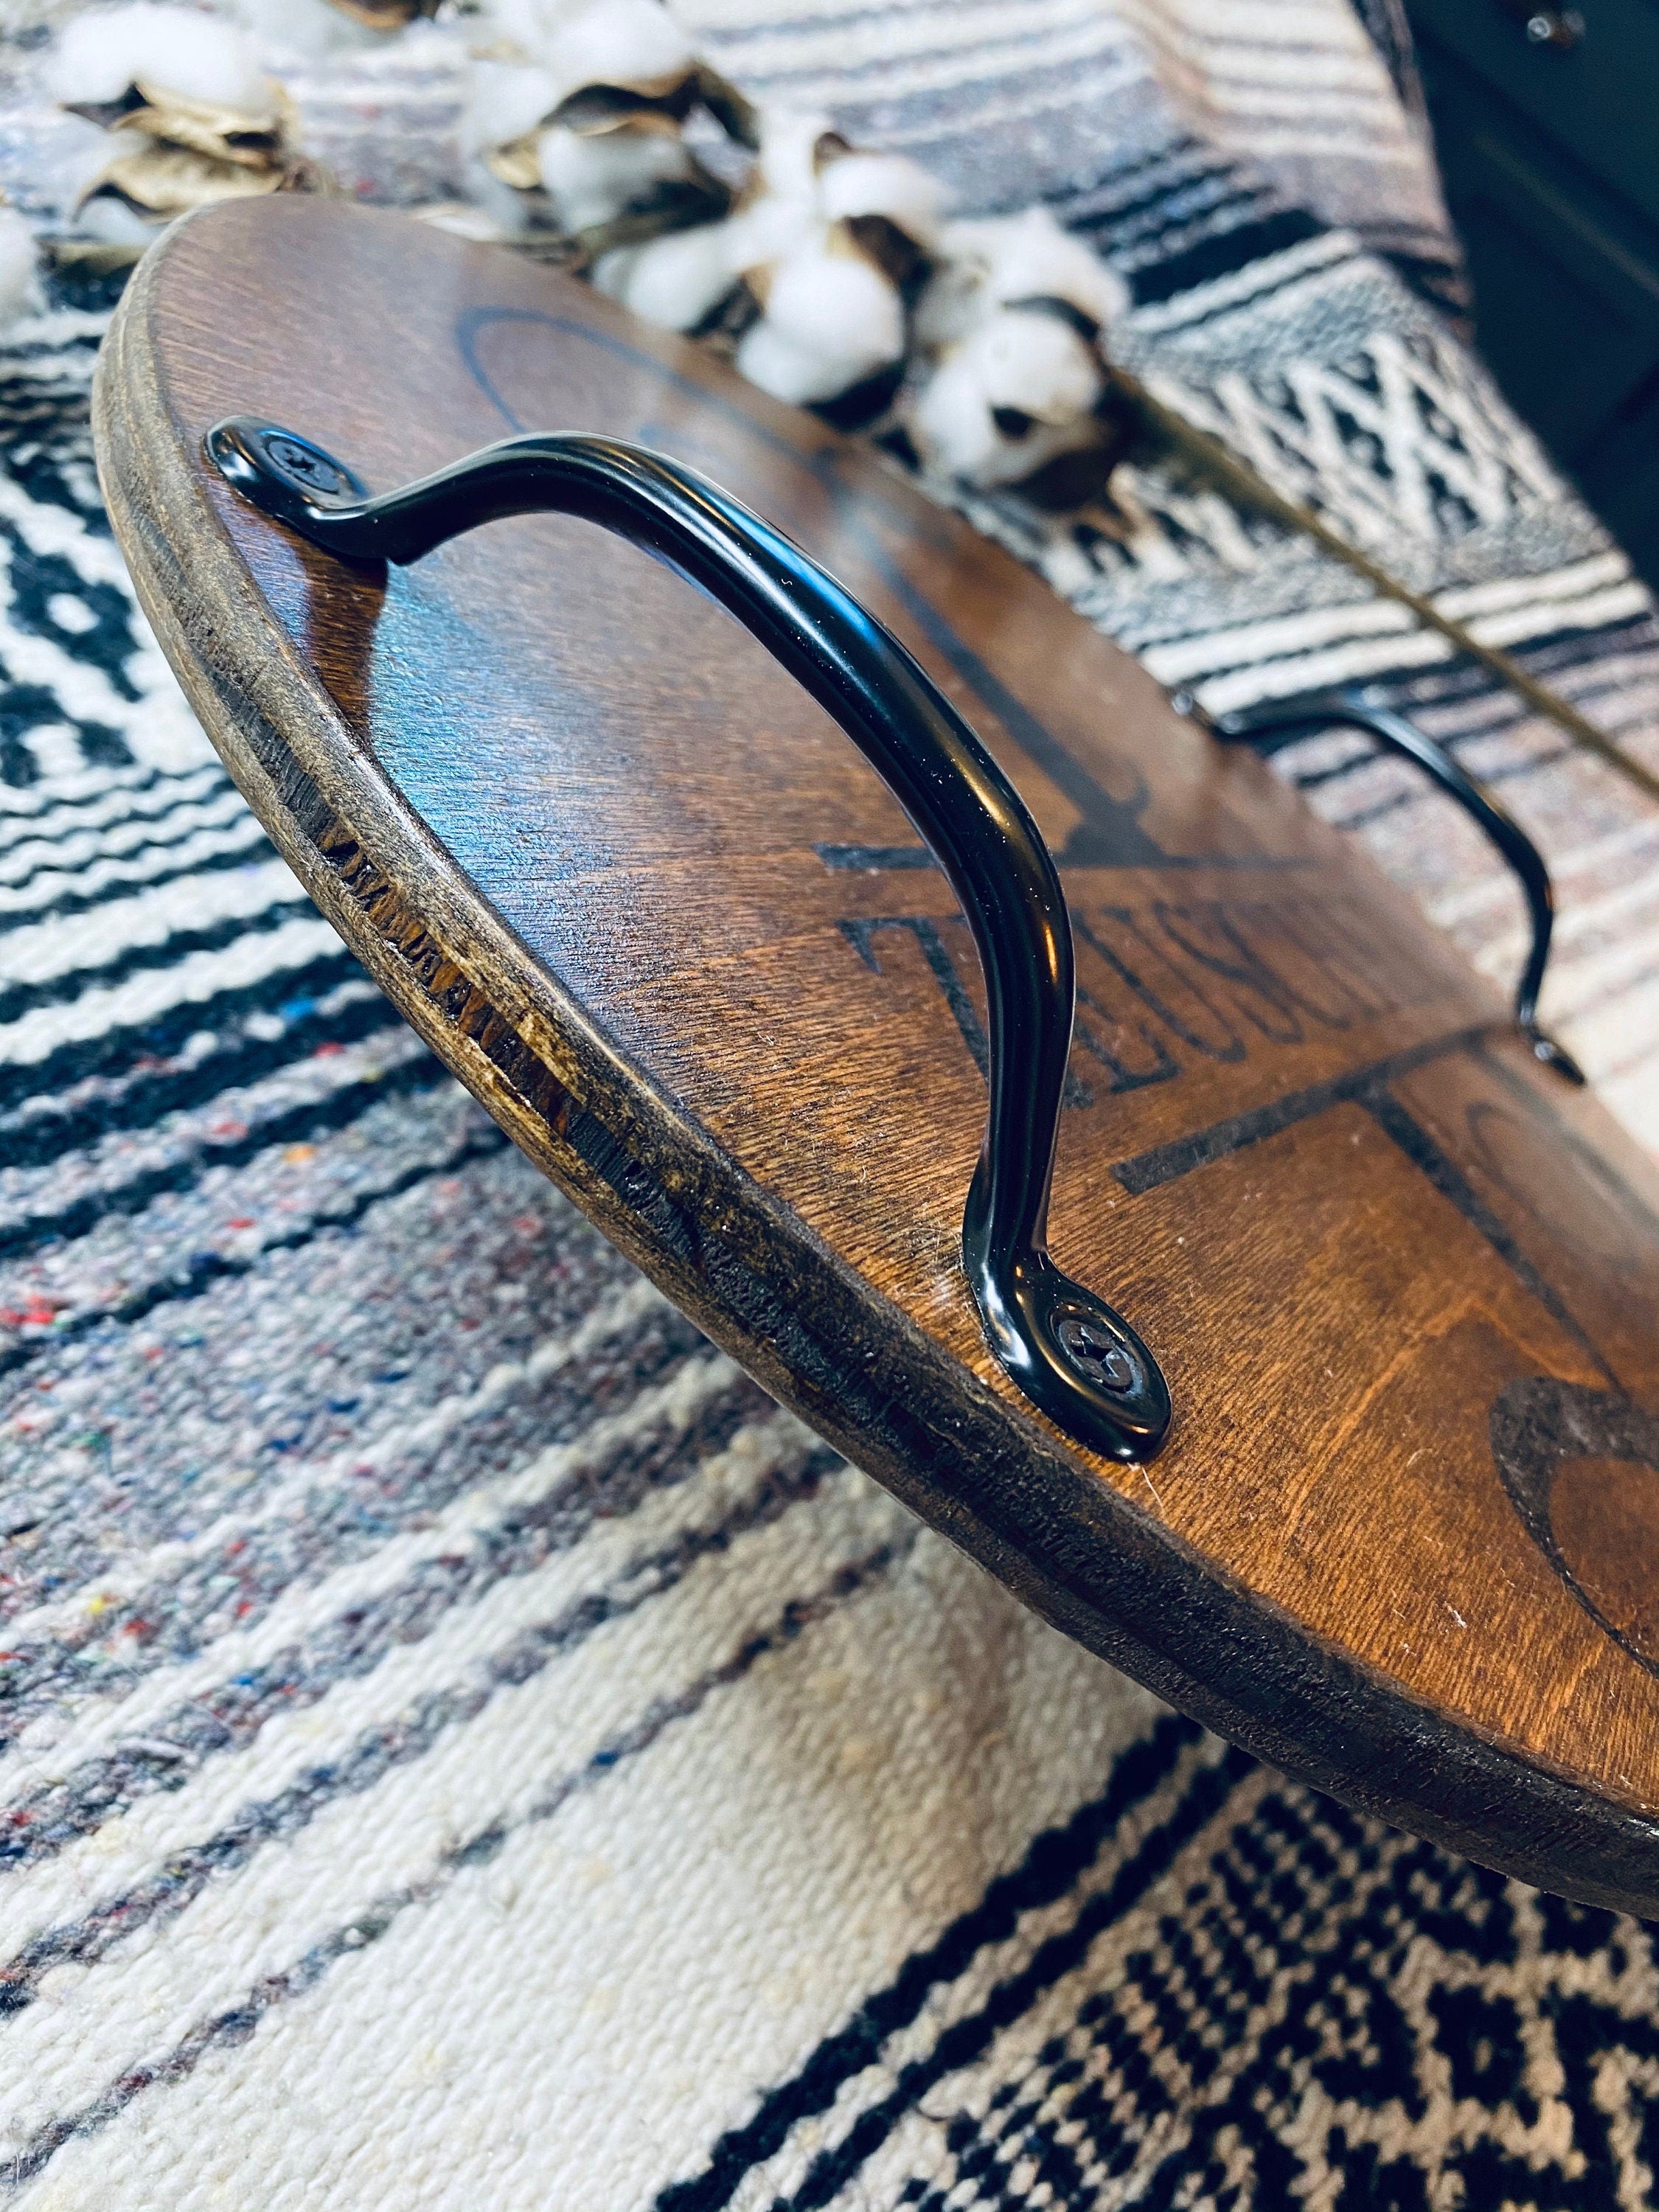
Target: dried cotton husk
(583, 119)
(178, 52)
(189, 115)
(385, 14)
(621, 45)
(1011, 389)
(159, 182)
(223, 134)
(831, 245)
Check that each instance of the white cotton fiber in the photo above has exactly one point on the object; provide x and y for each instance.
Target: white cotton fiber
(786, 370)
(626, 42)
(831, 321)
(951, 422)
(18, 289)
(173, 49)
(1035, 363)
(956, 433)
(515, 28)
(785, 167)
(590, 180)
(1028, 256)
(675, 280)
(507, 210)
(505, 100)
(112, 221)
(307, 30)
(838, 306)
(881, 183)
(769, 229)
(72, 154)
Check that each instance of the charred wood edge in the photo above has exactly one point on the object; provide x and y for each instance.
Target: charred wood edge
(988, 1475)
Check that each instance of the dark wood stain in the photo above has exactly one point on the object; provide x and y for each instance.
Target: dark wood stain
(651, 907)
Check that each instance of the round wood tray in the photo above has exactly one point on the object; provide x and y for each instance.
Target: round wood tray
(647, 901)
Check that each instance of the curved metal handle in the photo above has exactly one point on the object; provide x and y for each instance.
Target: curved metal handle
(1066, 1349)
(1273, 723)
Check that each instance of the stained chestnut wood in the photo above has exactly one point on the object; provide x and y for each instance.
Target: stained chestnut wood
(649, 903)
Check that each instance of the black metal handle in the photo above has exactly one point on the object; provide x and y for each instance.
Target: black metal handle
(1066, 1349)
(1273, 723)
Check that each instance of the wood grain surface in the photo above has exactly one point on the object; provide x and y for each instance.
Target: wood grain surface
(649, 903)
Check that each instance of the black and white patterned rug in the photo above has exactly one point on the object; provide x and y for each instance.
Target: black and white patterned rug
(461, 1745)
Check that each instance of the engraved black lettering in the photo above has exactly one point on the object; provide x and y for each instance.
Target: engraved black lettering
(860, 934)
(1161, 987)
(1208, 934)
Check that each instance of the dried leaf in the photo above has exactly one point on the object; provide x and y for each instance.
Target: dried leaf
(90, 257)
(161, 181)
(1073, 479)
(107, 114)
(677, 204)
(738, 118)
(1063, 311)
(301, 175)
(385, 14)
(598, 109)
(729, 318)
(549, 249)
(901, 260)
(251, 139)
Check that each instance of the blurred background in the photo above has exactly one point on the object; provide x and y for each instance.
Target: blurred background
(1546, 121)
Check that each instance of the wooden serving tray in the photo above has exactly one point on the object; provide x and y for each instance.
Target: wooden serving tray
(645, 898)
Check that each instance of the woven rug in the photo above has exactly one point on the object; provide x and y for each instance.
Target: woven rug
(461, 1745)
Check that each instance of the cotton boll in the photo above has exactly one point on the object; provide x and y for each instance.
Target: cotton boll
(1034, 363)
(622, 42)
(955, 428)
(838, 306)
(674, 281)
(309, 30)
(771, 230)
(831, 321)
(506, 101)
(951, 422)
(1029, 256)
(1016, 394)
(882, 183)
(174, 48)
(592, 180)
(18, 289)
(787, 370)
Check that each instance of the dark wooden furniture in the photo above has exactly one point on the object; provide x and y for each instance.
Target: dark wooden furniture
(642, 895)
(1545, 123)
